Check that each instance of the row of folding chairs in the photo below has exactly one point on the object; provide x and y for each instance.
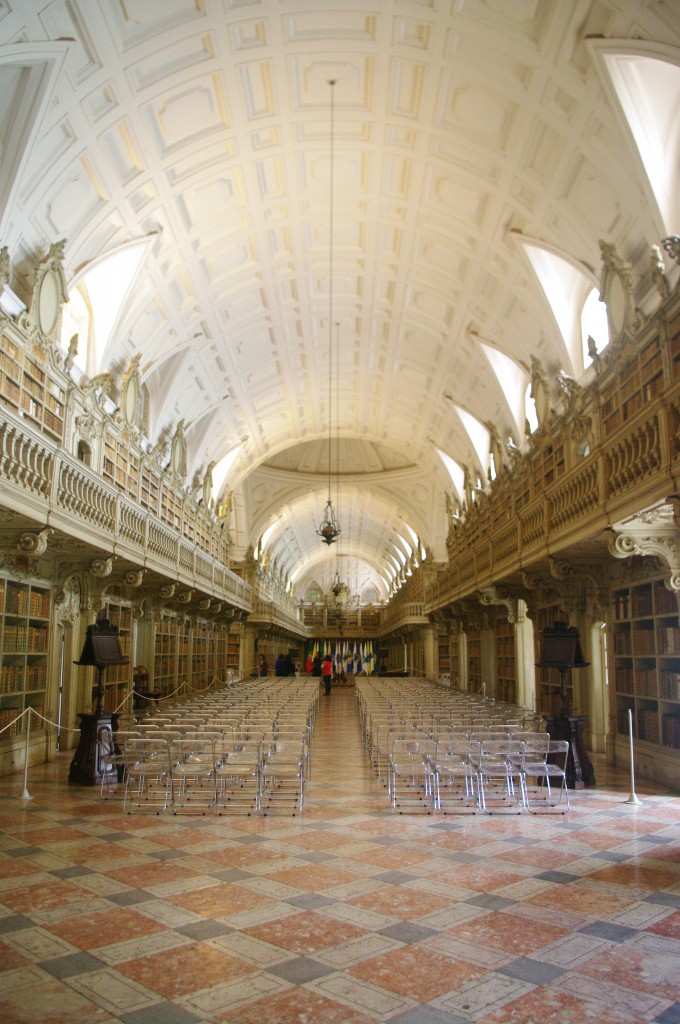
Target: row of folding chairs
(443, 751)
(239, 751)
(520, 773)
(196, 775)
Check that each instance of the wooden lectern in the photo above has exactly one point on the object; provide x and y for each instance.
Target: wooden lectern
(561, 649)
(101, 648)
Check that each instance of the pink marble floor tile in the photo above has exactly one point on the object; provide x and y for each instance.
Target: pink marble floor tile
(10, 959)
(635, 967)
(219, 900)
(15, 867)
(318, 840)
(306, 932)
(509, 932)
(43, 894)
(669, 926)
(392, 859)
(178, 972)
(581, 899)
(89, 931)
(546, 1006)
(297, 1006)
(479, 877)
(400, 902)
(240, 856)
(142, 876)
(639, 876)
(538, 857)
(50, 1002)
(314, 877)
(93, 854)
(416, 973)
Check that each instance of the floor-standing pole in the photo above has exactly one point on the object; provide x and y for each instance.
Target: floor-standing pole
(632, 799)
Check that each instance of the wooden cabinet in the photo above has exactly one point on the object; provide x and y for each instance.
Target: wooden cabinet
(474, 657)
(636, 382)
(30, 390)
(121, 466)
(646, 661)
(24, 646)
(118, 678)
(506, 668)
(165, 647)
(548, 700)
(443, 655)
(233, 652)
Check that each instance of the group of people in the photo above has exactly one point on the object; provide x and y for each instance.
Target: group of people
(283, 666)
(318, 667)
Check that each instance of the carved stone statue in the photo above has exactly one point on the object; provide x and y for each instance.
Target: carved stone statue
(496, 448)
(540, 392)
(71, 354)
(4, 267)
(658, 269)
(207, 486)
(178, 451)
(571, 392)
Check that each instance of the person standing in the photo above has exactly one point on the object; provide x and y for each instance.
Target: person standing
(327, 673)
(263, 667)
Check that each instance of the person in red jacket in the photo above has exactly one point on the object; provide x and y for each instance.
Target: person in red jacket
(327, 672)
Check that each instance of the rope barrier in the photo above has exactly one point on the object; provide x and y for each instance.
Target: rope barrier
(15, 720)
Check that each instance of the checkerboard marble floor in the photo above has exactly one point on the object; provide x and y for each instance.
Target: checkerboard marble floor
(345, 915)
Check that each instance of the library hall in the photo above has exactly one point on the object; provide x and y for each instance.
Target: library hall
(339, 512)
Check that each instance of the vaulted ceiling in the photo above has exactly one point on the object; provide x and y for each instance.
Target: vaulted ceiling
(461, 128)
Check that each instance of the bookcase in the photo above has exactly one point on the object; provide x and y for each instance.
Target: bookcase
(120, 466)
(27, 387)
(24, 645)
(506, 668)
(646, 661)
(234, 651)
(636, 382)
(547, 466)
(200, 656)
(443, 654)
(548, 700)
(474, 659)
(165, 648)
(118, 678)
(674, 346)
(183, 650)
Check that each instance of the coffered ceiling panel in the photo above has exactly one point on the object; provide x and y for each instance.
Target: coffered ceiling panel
(271, 319)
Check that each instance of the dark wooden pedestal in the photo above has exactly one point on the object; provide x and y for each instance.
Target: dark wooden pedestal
(580, 772)
(87, 766)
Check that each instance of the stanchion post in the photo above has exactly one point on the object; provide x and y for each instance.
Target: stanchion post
(26, 795)
(632, 799)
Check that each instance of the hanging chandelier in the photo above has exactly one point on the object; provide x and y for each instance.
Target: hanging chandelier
(329, 530)
(337, 587)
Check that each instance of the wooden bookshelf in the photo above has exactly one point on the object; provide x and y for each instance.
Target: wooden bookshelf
(636, 382)
(443, 654)
(118, 678)
(165, 647)
(24, 646)
(30, 390)
(548, 700)
(120, 466)
(506, 668)
(474, 660)
(645, 635)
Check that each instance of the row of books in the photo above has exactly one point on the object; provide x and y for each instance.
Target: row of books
(24, 638)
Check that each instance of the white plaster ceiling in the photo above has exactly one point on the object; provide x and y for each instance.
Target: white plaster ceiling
(460, 125)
